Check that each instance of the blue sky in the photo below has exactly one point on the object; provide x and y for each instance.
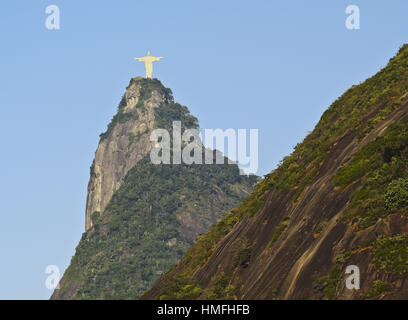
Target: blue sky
(271, 65)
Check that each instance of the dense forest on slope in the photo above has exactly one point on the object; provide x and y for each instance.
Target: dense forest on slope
(138, 237)
(339, 199)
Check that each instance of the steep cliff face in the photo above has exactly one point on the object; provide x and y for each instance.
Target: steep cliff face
(141, 217)
(340, 199)
(125, 143)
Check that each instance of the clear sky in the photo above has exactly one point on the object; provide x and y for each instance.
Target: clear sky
(271, 65)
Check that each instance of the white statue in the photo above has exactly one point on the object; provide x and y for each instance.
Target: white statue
(148, 60)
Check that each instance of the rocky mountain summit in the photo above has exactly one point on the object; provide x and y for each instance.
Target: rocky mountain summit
(125, 143)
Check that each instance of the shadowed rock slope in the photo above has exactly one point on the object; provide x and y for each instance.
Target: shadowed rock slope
(339, 199)
(142, 217)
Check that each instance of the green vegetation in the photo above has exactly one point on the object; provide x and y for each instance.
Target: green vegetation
(278, 231)
(169, 112)
(147, 87)
(343, 257)
(242, 258)
(129, 241)
(378, 289)
(95, 217)
(122, 103)
(181, 290)
(377, 97)
(198, 254)
(322, 225)
(222, 289)
(328, 286)
(132, 138)
(92, 169)
(396, 196)
(383, 167)
(391, 254)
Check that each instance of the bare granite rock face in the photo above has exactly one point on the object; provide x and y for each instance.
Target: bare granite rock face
(125, 145)
(323, 225)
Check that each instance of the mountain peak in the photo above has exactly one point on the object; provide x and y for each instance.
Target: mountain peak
(125, 142)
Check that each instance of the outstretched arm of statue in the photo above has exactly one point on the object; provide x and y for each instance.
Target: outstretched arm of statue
(140, 59)
(158, 58)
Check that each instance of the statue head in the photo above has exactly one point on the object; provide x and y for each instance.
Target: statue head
(148, 53)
